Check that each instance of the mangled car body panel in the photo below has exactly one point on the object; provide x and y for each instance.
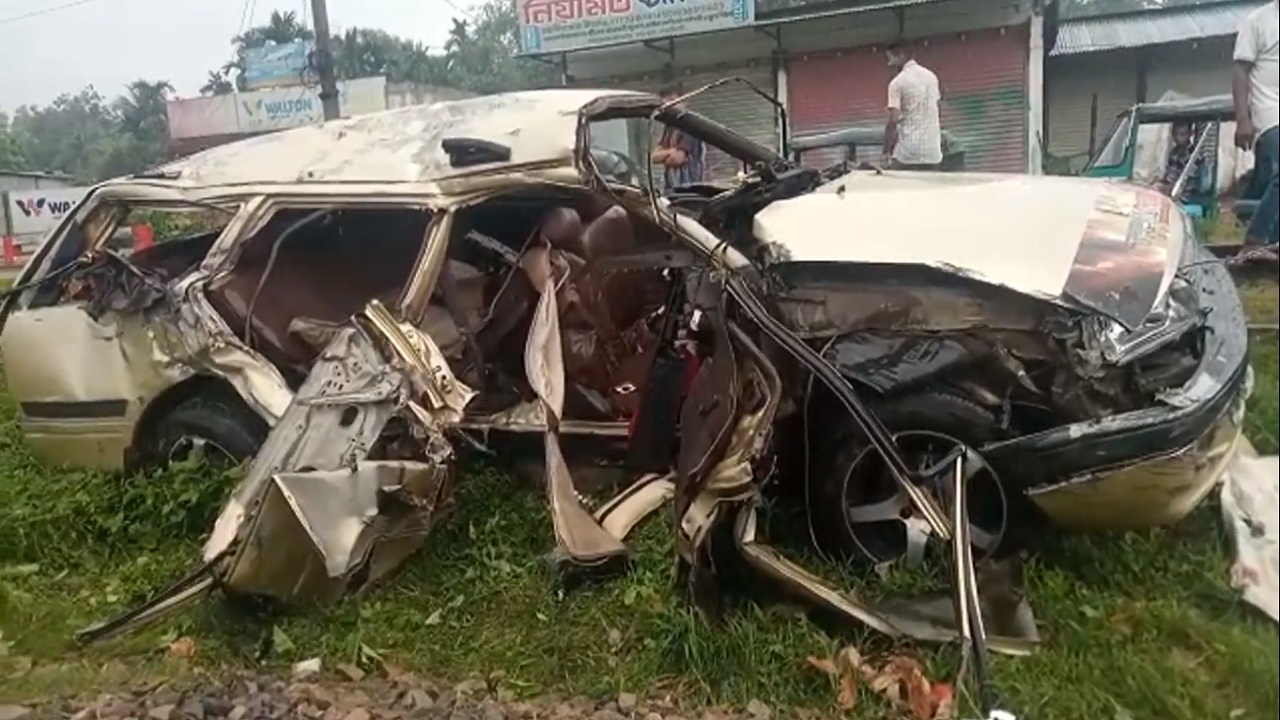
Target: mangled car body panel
(1108, 247)
(402, 146)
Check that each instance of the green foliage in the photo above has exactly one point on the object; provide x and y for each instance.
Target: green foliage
(479, 54)
(12, 155)
(169, 225)
(89, 138)
(51, 517)
(1142, 625)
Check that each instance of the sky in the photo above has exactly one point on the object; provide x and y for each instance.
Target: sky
(60, 46)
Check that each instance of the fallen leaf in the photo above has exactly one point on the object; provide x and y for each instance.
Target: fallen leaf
(822, 665)
(183, 647)
(943, 701)
(916, 687)
(306, 668)
(350, 672)
(849, 665)
(280, 642)
(848, 696)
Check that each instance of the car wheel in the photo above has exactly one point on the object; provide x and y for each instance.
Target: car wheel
(224, 430)
(861, 513)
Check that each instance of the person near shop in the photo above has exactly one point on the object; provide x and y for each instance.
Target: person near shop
(1255, 86)
(680, 155)
(913, 133)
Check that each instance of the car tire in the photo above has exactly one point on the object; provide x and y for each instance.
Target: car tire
(224, 425)
(931, 411)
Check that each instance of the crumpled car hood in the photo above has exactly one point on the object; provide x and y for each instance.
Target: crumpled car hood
(1107, 246)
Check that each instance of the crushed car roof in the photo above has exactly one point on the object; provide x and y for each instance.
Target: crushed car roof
(401, 145)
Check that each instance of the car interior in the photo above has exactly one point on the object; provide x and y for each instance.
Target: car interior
(306, 269)
(305, 272)
(608, 316)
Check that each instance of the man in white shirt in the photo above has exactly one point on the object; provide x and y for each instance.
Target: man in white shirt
(913, 134)
(1255, 85)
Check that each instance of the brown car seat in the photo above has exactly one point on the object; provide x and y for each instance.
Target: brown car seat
(319, 277)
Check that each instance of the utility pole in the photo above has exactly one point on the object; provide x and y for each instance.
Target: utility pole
(324, 60)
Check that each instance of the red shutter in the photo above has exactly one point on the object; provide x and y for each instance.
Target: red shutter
(983, 77)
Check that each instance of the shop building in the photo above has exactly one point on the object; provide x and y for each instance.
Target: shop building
(824, 61)
(1103, 64)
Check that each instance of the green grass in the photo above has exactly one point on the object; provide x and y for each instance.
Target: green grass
(1136, 626)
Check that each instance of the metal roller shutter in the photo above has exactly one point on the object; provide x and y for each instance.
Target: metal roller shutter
(983, 77)
(1193, 71)
(735, 106)
(1072, 82)
(829, 92)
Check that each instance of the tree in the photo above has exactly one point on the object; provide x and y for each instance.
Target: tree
(280, 29)
(89, 138)
(92, 138)
(365, 52)
(142, 110)
(217, 83)
(12, 156)
(481, 53)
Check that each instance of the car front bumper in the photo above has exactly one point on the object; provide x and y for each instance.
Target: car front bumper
(1149, 493)
(1150, 466)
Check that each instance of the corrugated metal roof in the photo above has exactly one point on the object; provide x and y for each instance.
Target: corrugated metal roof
(1098, 34)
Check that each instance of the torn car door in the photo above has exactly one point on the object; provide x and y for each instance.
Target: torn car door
(109, 362)
(350, 481)
(354, 475)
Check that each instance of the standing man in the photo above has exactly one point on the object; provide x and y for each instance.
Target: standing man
(681, 156)
(1255, 86)
(913, 134)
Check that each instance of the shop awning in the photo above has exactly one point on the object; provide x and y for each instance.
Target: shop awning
(1157, 27)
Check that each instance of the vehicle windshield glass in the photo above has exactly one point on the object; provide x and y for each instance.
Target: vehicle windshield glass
(1113, 150)
(624, 150)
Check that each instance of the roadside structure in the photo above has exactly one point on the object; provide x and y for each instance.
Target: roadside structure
(1104, 63)
(203, 122)
(31, 204)
(824, 61)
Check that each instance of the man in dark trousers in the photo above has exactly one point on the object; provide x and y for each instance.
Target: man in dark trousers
(1254, 82)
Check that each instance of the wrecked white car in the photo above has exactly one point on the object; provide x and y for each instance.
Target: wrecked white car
(375, 296)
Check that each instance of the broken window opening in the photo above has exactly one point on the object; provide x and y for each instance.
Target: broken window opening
(609, 316)
(305, 271)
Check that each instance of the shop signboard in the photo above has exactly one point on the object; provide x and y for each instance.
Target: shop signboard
(274, 109)
(554, 26)
(35, 212)
(283, 108)
(276, 65)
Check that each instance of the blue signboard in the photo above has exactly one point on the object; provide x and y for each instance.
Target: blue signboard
(551, 26)
(275, 65)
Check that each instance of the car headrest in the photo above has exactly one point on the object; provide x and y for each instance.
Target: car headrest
(562, 229)
(610, 234)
